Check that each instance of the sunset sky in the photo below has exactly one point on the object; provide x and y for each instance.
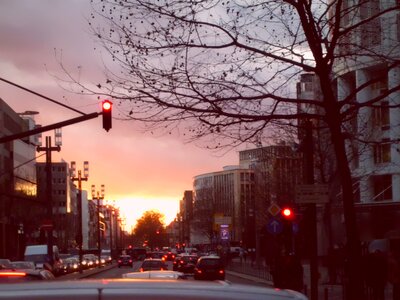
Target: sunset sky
(139, 170)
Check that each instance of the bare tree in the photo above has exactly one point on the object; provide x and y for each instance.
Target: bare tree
(229, 67)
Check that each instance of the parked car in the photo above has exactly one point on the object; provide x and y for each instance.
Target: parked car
(150, 264)
(125, 260)
(209, 268)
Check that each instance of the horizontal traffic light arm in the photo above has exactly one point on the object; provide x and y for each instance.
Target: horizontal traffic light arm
(21, 135)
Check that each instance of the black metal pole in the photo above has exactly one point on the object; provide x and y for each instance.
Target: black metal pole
(312, 210)
(49, 192)
(79, 235)
(98, 228)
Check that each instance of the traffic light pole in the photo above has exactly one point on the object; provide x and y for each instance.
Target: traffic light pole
(37, 130)
(311, 210)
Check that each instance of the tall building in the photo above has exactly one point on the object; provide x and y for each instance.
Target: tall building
(370, 71)
(219, 201)
(20, 211)
(277, 169)
(63, 201)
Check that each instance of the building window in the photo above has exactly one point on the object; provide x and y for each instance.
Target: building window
(382, 153)
(371, 31)
(398, 27)
(381, 116)
(382, 188)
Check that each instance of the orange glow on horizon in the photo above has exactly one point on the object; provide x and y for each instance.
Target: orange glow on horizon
(133, 207)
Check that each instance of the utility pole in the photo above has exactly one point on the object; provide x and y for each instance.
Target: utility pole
(48, 224)
(98, 196)
(79, 178)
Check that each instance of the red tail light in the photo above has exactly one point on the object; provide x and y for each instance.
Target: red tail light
(221, 272)
(16, 274)
(130, 260)
(119, 260)
(141, 270)
(199, 271)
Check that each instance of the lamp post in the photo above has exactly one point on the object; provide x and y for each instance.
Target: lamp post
(48, 224)
(98, 196)
(79, 178)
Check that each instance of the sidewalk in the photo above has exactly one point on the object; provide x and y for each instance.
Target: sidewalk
(262, 274)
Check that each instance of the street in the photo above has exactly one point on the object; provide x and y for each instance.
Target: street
(117, 273)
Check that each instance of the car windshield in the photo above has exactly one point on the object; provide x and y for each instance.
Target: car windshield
(257, 138)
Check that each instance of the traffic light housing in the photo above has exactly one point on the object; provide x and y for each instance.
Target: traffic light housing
(106, 106)
(287, 216)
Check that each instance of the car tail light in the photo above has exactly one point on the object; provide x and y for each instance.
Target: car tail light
(119, 260)
(16, 274)
(141, 270)
(221, 272)
(130, 260)
(199, 271)
(162, 269)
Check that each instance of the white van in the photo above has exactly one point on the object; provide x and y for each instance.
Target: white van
(38, 255)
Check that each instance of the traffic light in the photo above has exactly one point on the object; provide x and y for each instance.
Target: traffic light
(106, 106)
(287, 215)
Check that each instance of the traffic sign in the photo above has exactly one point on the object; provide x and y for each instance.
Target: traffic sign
(312, 193)
(274, 226)
(274, 209)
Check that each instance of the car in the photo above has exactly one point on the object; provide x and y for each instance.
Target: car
(144, 289)
(186, 263)
(18, 276)
(169, 256)
(5, 263)
(91, 260)
(72, 264)
(209, 268)
(155, 254)
(155, 275)
(23, 265)
(125, 260)
(150, 264)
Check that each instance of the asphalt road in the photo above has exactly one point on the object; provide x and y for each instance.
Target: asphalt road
(117, 273)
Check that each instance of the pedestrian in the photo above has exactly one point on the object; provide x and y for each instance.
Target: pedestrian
(293, 273)
(376, 274)
(241, 254)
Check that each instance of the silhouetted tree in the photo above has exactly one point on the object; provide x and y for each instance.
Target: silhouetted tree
(230, 67)
(151, 228)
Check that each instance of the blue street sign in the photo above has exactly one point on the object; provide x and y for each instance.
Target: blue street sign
(274, 226)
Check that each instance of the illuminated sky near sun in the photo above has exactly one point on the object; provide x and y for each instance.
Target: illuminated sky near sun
(140, 171)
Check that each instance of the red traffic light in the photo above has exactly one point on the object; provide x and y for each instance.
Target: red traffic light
(106, 112)
(107, 105)
(287, 213)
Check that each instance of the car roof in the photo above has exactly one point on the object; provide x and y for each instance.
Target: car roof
(144, 289)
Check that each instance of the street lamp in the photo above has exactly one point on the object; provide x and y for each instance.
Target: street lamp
(48, 224)
(79, 178)
(98, 196)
